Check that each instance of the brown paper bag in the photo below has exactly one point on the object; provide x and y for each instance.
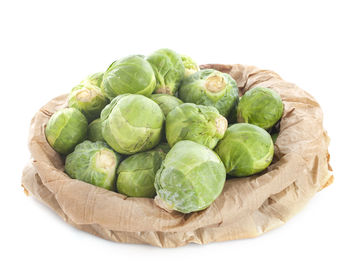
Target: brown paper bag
(247, 206)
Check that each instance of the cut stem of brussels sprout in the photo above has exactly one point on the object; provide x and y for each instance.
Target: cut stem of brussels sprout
(105, 159)
(221, 125)
(164, 90)
(88, 99)
(215, 83)
(85, 95)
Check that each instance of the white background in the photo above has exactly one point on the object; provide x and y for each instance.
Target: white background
(49, 46)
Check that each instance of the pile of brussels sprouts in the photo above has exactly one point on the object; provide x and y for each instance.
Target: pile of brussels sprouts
(157, 126)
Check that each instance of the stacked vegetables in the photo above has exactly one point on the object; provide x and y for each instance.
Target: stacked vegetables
(157, 126)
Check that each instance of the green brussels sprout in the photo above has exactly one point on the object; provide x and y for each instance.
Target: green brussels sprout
(94, 79)
(191, 66)
(136, 173)
(132, 74)
(274, 137)
(197, 123)
(166, 102)
(65, 129)
(191, 177)
(245, 150)
(94, 132)
(211, 88)
(169, 70)
(94, 163)
(132, 123)
(163, 147)
(88, 99)
(260, 106)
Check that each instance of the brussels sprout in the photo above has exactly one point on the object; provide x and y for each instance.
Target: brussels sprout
(169, 70)
(274, 131)
(163, 147)
(200, 124)
(260, 106)
(94, 163)
(274, 137)
(94, 79)
(95, 131)
(211, 88)
(245, 150)
(191, 66)
(166, 102)
(136, 173)
(132, 74)
(191, 177)
(65, 129)
(88, 99)
(132, 123)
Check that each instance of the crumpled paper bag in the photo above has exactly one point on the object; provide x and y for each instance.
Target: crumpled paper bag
(247, 206)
